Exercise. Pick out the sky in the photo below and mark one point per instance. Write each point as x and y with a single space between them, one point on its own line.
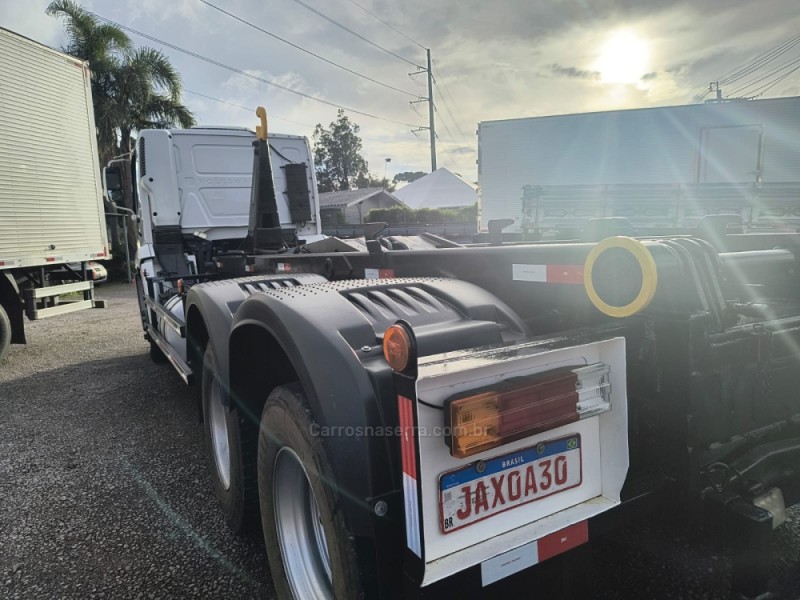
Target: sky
491 60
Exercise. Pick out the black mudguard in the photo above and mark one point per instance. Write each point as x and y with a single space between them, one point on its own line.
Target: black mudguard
11 301
210 308
331 333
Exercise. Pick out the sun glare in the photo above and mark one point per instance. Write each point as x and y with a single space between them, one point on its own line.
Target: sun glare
624 58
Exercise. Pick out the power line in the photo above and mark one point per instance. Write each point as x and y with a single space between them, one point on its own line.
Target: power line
751 67
447 106
774 71
245 73
761 60
389 25
776 82
309 52
356 34
699 96
772 82
446 128
247 108
250 109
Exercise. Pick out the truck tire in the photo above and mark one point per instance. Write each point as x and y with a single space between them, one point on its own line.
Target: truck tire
5 333
232 445
310 552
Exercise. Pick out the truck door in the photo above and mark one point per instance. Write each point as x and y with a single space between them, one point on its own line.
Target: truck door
730 154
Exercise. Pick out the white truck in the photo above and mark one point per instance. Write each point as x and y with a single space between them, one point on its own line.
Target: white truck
192 202
410 417
659 168
51 201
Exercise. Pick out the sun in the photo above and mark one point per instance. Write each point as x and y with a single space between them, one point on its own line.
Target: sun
624 58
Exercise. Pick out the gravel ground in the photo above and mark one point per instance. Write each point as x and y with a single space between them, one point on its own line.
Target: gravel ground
105 491
103 478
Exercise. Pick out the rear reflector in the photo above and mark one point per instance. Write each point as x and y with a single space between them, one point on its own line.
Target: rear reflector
518 408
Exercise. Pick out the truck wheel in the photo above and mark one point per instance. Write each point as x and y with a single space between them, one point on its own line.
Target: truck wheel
232 445
310 552
5 333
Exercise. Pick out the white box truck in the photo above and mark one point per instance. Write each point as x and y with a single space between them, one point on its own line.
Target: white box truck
51 200
665 167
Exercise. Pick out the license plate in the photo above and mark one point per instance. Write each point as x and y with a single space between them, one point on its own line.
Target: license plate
488 487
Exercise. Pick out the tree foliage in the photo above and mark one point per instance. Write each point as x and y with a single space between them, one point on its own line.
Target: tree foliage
409 176
337 155
371 181
400 215
132 88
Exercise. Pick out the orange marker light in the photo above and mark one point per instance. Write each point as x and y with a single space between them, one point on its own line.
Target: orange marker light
397 347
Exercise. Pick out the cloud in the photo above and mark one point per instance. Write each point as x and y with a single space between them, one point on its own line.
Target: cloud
492 60
573 72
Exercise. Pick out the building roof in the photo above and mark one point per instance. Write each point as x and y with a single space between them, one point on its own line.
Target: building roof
348 197
440 189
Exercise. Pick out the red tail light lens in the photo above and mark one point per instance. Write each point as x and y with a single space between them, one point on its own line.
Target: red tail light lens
517 409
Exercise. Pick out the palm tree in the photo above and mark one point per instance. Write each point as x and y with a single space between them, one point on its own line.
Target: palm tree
101 45
132 89
149 91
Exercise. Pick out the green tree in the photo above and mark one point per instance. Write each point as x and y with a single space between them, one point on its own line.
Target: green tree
409 176
131 88
369 180
149 93
337 155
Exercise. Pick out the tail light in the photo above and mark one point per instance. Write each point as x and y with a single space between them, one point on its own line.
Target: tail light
518 408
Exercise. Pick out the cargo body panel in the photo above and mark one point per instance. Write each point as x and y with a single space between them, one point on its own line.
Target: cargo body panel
51 205
659 167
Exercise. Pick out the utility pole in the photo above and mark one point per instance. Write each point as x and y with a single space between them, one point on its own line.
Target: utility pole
714 87
431 126
431 109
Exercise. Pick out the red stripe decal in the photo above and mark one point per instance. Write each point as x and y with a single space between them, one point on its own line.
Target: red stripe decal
565 274
408 447
563 540
412 450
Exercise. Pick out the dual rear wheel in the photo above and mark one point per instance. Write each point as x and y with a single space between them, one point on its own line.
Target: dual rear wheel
270 466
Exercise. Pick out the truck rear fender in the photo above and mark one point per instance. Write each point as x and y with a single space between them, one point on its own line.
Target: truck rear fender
210 308
328 336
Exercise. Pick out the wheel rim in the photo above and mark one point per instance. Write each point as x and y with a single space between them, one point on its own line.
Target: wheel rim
304 548
219 434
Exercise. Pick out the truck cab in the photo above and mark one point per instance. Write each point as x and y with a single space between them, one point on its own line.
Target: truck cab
190 193
199 180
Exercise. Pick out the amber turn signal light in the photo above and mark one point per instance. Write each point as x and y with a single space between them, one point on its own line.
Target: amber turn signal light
397 347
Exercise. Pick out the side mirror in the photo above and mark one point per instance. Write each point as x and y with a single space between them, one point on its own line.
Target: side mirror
112 177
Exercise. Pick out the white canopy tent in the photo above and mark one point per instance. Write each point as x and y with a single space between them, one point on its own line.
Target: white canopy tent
440 189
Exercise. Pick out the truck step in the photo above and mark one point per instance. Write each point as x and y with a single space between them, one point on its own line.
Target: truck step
36 300
183 369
